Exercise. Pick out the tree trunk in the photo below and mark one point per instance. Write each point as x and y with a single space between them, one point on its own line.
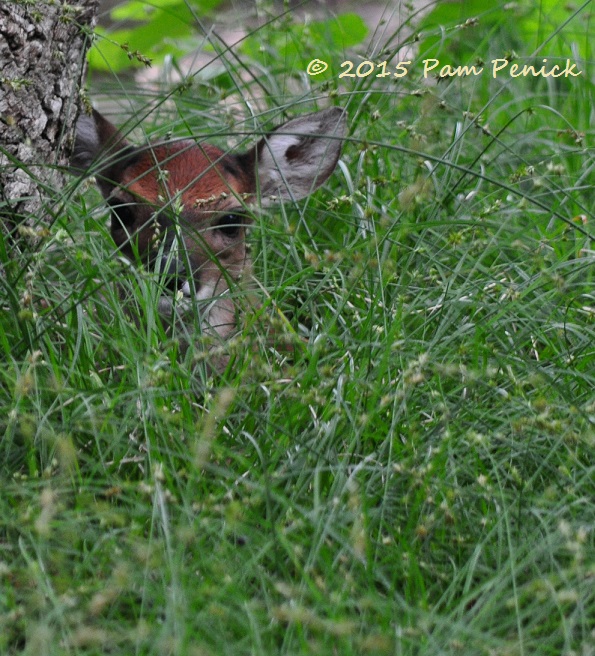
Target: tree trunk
42 64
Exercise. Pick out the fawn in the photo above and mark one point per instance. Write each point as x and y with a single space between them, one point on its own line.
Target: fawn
180 205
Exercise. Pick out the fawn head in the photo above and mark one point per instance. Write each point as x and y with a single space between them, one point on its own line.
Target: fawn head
184 200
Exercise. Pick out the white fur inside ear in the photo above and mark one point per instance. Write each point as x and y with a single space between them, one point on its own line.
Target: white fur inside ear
296 158
273 155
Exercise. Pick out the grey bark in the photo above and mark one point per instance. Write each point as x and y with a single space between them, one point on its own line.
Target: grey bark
42 63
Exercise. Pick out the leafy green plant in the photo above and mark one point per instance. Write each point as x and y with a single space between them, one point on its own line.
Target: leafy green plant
160 28
291 49
532 28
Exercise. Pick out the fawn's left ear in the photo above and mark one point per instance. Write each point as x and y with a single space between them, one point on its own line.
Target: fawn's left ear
298 156
99 149
95 137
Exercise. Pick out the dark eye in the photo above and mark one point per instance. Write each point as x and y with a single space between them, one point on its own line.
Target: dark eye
229 225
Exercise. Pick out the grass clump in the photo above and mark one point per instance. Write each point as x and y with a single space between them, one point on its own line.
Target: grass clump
418 477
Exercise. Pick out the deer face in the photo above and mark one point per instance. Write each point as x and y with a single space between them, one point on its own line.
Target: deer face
185 202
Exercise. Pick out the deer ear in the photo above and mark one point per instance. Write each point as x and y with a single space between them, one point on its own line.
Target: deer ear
298 156
94 134
98 145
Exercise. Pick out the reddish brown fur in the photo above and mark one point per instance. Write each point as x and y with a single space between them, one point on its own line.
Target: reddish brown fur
187 169
185 202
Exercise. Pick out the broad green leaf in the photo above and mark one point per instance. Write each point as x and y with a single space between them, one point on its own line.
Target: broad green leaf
165 27
297 45
141 10
520 26
117 51
137 10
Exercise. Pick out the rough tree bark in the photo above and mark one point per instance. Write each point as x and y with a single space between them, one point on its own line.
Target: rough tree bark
42 63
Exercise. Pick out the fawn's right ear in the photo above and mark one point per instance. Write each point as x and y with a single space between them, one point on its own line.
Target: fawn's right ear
98 147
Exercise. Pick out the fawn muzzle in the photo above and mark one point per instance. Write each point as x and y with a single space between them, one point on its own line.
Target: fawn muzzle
180 206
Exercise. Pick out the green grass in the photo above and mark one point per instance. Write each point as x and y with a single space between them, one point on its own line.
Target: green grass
419 479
